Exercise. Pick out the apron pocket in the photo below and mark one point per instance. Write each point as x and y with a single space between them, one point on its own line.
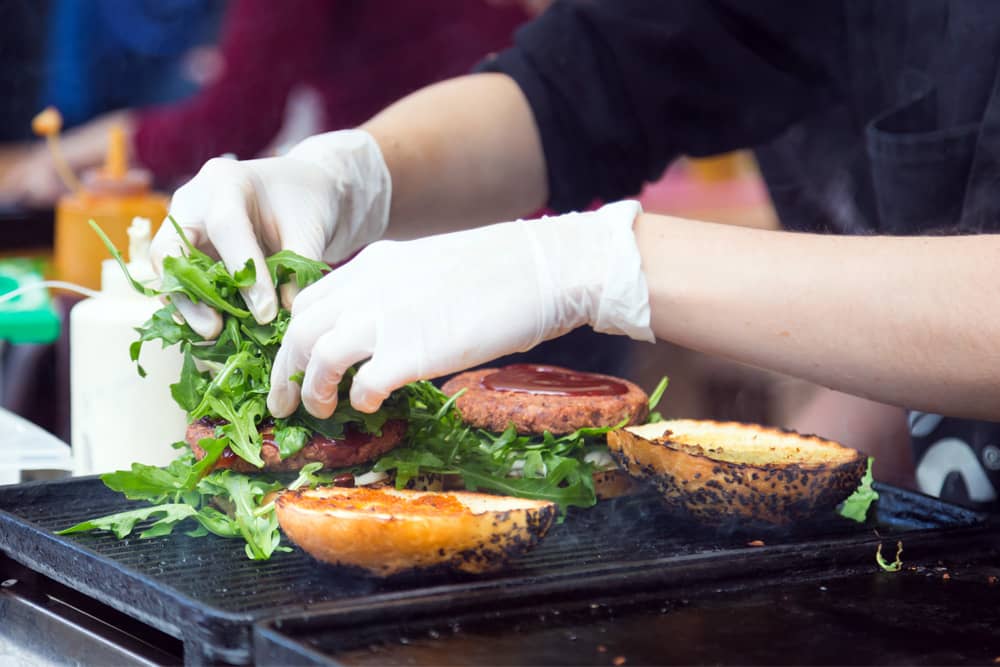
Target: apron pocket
919 171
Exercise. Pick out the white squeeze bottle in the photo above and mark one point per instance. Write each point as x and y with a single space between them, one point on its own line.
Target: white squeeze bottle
118 417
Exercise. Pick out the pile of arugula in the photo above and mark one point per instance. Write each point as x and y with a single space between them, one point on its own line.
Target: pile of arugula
227 381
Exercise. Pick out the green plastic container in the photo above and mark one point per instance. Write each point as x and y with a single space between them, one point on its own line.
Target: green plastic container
29 317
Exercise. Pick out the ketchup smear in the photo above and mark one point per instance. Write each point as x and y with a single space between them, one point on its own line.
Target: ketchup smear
551 381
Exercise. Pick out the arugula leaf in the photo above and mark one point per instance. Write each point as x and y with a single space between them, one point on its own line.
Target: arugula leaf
654 398
896 565
855 507
308 477
285 263
409 462
260 531
146 482
136 285
187 391
181 275
289 439
161 326
122 523
214 521
241 429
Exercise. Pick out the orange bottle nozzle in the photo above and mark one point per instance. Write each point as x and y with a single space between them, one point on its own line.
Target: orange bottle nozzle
47 124
116 161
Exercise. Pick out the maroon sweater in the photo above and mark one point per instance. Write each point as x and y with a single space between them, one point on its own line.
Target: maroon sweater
360 55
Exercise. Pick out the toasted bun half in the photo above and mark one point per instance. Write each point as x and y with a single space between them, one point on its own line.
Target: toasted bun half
717 471
387 531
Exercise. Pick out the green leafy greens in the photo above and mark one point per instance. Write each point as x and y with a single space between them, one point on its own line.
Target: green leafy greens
896 565
542 467
856 505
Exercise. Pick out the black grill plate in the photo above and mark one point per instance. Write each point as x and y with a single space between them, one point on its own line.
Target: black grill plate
207 593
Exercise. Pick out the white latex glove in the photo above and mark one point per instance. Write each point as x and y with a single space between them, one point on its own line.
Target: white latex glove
324 199
421 309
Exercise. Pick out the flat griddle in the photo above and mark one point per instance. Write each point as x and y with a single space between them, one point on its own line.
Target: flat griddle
943 614
205 592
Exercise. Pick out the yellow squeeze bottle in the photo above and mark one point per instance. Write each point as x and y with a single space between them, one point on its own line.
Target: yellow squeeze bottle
112 195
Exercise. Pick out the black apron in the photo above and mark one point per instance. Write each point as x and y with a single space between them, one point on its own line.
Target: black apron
914 148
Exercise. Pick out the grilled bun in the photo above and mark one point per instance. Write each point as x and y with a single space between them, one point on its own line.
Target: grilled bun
717 471
387 531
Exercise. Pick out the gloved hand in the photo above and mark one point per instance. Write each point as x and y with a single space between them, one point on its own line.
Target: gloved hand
324 199
424 308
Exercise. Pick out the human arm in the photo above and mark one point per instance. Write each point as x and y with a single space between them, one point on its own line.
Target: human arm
906 321
462 153
624 88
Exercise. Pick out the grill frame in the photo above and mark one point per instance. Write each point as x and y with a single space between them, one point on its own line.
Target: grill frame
165 582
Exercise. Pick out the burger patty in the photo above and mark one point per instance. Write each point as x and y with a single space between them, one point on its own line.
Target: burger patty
534 413
353 449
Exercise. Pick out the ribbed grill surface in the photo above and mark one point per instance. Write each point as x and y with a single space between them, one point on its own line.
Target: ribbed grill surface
218 578
216 571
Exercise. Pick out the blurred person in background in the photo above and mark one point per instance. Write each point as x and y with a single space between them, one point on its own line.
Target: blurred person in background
872 120
87 58
345 60
103 55
23 26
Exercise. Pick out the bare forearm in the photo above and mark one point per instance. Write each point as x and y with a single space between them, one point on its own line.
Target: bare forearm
908 321
461 153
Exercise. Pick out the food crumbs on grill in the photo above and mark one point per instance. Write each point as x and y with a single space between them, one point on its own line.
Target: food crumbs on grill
601 648
755 543
618 661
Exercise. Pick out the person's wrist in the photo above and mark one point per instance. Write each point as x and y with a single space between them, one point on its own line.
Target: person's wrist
596 263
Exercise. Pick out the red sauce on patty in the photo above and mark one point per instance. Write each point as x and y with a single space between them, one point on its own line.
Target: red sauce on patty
551 381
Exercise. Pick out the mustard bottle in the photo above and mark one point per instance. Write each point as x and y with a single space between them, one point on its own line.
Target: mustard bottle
112 195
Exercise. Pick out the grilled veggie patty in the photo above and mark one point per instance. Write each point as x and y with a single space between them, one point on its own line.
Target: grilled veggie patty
534 414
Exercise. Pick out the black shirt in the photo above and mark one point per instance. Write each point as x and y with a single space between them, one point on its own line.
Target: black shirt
866 116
